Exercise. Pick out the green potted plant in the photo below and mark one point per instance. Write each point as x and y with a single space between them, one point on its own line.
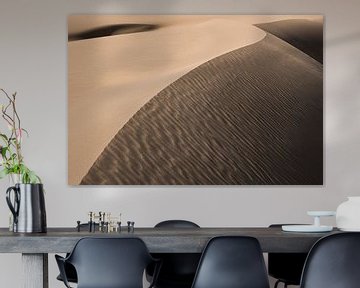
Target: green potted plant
25 197
11 158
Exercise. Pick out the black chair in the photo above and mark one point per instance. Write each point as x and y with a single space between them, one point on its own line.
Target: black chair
176 224
232 262
69 269
108 263
286 267
178 269
333 262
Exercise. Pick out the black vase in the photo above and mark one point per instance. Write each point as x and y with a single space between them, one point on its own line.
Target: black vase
28 208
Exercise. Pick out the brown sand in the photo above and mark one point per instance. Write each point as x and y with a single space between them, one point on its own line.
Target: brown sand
111 78
251 116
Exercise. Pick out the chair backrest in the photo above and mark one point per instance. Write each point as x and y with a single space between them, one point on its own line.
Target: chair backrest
176 224
333 262
110 262
232 262
178 270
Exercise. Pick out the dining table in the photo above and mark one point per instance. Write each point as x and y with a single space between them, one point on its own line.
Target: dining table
35 247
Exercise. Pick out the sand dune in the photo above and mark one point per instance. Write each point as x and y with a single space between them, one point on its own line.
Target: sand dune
305 35
111 78
250 116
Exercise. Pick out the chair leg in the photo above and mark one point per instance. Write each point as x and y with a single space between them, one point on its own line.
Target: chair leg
278 282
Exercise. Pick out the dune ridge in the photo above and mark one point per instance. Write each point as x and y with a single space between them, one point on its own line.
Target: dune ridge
251 116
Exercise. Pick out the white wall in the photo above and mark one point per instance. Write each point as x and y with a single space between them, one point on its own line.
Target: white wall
33 62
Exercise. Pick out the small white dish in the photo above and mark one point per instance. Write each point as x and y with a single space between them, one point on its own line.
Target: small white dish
321 213
306 228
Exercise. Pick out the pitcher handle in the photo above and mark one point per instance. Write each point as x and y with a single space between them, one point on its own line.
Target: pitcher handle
13 208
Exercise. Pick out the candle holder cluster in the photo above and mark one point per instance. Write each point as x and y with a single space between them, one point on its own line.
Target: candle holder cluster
104 222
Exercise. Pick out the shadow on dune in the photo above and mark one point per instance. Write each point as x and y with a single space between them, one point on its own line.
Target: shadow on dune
253 116
112 30
305 35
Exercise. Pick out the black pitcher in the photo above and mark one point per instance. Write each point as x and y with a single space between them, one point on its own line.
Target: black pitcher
28 207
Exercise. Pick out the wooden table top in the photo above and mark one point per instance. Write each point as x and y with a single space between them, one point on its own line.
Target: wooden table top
158 240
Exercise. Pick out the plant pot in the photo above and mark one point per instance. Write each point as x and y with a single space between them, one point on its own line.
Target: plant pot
27 207
15 179
348 215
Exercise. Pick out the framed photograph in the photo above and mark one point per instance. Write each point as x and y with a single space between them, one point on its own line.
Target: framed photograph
195 100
